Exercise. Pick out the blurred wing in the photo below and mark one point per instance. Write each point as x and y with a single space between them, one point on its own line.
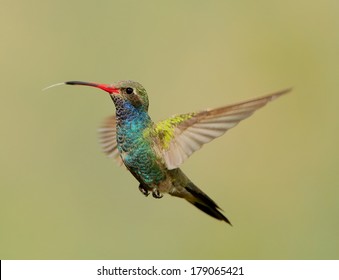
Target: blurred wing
107 138
181 135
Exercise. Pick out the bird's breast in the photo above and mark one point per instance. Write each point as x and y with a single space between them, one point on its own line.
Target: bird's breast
138 155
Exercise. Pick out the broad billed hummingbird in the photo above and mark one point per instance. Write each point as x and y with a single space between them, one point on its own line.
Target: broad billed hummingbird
153 152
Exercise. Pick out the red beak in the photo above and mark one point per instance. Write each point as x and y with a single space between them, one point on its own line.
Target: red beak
110 89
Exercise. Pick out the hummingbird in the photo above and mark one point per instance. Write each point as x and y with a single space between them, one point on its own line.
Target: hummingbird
153 152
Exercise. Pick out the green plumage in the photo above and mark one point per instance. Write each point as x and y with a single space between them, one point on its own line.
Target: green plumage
164 130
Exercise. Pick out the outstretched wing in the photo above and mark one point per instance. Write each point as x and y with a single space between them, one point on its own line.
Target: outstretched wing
181 135
107 138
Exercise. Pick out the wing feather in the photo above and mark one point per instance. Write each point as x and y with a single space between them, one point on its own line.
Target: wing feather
107 139
180 136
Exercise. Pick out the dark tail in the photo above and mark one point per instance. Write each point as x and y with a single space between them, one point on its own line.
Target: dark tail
200 200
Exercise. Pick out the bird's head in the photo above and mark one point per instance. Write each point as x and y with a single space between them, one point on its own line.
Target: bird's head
122 91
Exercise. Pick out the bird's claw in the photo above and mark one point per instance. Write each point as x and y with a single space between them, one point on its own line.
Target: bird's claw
156 193
143 190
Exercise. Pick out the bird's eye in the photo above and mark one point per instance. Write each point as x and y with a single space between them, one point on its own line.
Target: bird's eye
129 90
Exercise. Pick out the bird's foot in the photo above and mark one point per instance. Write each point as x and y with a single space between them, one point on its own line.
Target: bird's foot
156 193
144 190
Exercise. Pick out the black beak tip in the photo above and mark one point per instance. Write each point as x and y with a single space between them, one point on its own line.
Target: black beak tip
74 83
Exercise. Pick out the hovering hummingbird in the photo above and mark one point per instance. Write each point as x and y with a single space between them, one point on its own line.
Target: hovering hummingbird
153 152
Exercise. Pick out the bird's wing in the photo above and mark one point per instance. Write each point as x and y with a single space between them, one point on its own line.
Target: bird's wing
107 138
181 135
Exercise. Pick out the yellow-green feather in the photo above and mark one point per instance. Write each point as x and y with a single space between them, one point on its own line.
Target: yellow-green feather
164 130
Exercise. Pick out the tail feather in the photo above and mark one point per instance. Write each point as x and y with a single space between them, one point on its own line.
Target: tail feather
200 200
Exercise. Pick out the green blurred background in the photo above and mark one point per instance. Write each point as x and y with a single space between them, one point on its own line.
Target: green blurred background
275 175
